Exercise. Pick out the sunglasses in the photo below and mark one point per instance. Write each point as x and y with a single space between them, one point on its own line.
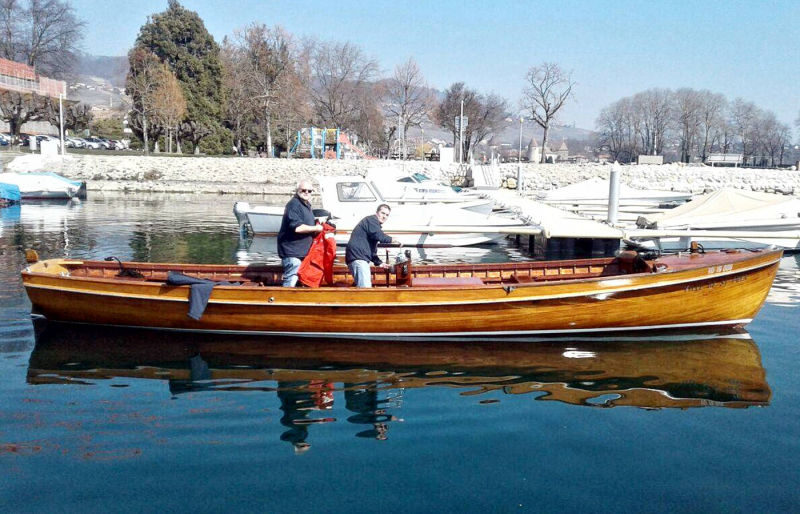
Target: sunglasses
305 190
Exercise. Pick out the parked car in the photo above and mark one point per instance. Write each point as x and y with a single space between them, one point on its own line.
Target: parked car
94 143
4 140
74 142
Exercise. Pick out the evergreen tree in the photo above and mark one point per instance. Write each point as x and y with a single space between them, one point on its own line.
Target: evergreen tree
179 38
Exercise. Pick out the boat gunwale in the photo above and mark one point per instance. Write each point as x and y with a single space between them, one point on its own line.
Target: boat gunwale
655 281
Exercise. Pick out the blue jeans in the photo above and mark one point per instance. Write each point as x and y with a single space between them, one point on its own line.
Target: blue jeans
290 267
361 272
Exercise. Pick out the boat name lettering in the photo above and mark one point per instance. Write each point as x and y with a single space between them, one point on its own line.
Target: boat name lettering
712 285
720 268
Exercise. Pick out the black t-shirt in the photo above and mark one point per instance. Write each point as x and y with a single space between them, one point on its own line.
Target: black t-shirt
363 244
290 243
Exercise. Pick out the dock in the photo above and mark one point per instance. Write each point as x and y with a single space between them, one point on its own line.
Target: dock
563 234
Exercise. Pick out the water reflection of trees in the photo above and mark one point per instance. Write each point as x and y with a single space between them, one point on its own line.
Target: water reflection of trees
171 245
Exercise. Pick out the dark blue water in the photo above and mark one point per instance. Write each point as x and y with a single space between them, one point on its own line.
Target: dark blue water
99 420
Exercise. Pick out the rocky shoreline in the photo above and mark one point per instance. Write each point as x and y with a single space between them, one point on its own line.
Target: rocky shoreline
243 175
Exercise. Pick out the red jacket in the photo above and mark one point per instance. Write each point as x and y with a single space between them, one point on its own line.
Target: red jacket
319 261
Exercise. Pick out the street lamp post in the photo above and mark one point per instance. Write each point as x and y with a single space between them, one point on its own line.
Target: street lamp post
519 157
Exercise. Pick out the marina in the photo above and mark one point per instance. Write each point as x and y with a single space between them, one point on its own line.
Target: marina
537 280
150 403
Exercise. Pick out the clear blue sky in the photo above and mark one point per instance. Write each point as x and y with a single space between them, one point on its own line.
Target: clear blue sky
614 48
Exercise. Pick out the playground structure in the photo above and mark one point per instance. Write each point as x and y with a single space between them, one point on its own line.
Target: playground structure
322 143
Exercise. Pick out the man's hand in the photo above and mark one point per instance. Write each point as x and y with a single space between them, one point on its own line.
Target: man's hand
384 265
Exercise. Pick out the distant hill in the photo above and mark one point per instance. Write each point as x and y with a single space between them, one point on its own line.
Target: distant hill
112 69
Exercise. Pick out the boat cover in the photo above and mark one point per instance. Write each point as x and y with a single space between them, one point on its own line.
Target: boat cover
9 192
728 206
596 188
38 182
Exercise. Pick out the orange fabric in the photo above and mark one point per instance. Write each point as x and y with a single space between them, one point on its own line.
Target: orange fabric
318 264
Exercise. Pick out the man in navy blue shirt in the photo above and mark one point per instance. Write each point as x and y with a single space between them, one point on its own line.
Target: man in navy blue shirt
362 249
297 231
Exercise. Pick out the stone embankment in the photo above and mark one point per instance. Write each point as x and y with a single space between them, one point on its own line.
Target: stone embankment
243 175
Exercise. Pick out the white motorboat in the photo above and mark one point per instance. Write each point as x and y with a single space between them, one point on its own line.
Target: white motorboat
261 219
265 220
736 215
399 188
350 198
44 186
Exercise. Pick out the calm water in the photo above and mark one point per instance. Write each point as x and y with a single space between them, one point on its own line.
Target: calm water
111 420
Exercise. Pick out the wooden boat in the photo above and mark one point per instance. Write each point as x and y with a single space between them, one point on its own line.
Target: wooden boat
627 292
713 368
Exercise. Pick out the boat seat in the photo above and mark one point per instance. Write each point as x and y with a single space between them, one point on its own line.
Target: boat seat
447 281
519 279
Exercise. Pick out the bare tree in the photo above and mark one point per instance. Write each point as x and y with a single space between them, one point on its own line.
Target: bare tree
485 114
41 33
267 59
339 73
546 92
19 108
450 108
371 124
772 138
238 110
407 98
169 103
688 119
617 125
654 108
744 116
77 116
141 85
712 118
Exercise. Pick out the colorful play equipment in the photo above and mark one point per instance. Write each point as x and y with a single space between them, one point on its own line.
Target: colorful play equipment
324 143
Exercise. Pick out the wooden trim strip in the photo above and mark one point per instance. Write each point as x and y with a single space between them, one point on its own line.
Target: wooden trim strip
433 335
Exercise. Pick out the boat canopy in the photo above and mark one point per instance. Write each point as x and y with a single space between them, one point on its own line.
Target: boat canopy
729 205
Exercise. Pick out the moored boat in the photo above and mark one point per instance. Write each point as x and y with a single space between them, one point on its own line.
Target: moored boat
628 292
44 186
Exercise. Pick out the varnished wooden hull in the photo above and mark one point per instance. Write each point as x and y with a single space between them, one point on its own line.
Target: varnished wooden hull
691 290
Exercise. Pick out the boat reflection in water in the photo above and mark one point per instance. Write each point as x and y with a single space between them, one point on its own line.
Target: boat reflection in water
671 370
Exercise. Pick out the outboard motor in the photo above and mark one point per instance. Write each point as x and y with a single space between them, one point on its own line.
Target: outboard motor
402 268
240 210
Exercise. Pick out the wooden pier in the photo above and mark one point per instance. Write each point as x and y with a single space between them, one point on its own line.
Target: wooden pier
563 234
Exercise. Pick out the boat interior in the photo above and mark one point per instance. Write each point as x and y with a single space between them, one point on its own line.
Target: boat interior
402 274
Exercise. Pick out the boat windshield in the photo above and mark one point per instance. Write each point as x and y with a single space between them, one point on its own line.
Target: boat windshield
354 192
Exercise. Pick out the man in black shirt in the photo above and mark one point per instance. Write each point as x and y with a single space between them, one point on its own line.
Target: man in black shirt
297 231
362 249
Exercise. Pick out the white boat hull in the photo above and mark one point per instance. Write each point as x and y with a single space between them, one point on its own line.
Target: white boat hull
44 186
